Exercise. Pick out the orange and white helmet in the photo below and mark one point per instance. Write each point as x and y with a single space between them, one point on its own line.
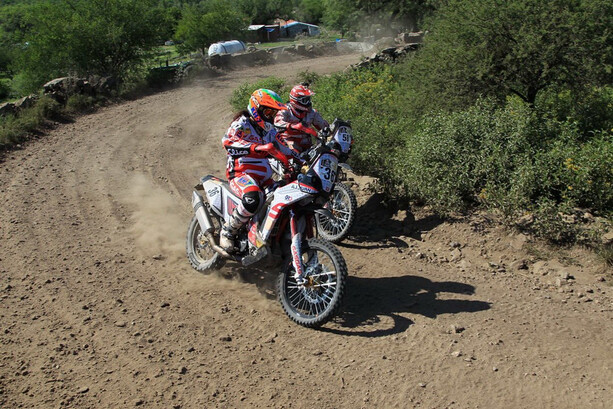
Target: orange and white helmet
300 100
264 105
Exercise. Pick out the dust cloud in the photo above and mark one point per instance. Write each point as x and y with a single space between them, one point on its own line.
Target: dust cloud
158 222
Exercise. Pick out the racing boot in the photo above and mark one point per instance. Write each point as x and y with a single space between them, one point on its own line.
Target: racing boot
230 228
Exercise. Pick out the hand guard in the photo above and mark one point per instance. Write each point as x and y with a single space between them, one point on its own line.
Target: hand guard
271 150
299 126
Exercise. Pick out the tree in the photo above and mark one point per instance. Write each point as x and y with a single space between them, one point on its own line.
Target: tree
498 47
12 30
266 11
341 15
207 23
104 37
347 15
311 11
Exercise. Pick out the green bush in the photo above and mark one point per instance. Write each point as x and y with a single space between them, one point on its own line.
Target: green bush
515 157
509 158
80 103
13 129
369 99
5 89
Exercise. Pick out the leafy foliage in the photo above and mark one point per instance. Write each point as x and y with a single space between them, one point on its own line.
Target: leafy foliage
521 47
14 128
208 22
350 15
472 120
265 11
85 37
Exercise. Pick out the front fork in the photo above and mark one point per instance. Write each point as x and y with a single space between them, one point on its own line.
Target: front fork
296 249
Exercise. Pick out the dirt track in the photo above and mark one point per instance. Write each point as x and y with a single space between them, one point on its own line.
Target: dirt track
99 307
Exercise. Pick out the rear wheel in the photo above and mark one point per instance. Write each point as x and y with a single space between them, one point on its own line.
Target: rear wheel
199 252
343 205
319 299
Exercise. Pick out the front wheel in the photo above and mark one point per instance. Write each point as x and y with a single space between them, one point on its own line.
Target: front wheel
319 299
199 252
343 205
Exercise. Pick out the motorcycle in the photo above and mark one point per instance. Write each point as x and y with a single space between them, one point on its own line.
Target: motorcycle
312 280
333 226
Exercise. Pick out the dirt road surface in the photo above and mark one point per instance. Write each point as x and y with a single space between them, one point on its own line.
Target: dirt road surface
99 307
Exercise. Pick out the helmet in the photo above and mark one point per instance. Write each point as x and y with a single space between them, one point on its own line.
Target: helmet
300 100
263 106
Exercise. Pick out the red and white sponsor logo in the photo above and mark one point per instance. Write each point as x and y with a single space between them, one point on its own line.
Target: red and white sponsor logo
276 210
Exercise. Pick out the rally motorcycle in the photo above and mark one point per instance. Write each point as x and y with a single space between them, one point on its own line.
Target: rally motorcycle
311 283
333 226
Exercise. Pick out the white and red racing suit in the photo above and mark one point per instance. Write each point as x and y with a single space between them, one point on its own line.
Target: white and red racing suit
248 146
291 128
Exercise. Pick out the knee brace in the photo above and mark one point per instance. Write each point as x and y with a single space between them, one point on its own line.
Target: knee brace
251 201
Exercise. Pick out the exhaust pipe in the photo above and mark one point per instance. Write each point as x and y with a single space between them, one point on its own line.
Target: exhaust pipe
203 216
206 224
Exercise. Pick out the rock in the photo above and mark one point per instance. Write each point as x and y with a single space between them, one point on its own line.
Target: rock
58 84
120 324
7 109
456 329
227 338
519 265
456 255
456 354
183 370
519 241
465 265
26 102
410 38
84 389
607 238
271 338
389 51
541 268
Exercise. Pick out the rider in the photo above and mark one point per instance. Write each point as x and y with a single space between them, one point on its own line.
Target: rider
249 140
294 122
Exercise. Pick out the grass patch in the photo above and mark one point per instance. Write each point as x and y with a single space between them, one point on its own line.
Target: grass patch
14 129
605 252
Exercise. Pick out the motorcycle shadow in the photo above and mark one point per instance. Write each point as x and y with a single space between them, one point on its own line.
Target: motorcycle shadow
370 300
378 224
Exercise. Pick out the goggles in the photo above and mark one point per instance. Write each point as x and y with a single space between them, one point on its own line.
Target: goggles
306 100
269 112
